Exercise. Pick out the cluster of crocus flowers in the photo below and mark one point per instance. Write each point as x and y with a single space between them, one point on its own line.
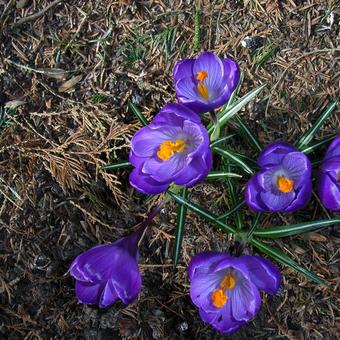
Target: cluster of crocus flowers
108 272
284 182
173 148
329 177
226 289
205 83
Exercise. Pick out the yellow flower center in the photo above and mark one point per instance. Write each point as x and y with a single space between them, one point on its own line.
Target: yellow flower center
201 88
168 148
284 184
218 296
338 176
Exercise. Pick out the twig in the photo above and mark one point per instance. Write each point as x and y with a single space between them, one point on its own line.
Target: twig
36 15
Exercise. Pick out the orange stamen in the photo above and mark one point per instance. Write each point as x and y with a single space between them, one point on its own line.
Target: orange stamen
228 282
203 91
284 184
338 176
168 148
219 298
201 75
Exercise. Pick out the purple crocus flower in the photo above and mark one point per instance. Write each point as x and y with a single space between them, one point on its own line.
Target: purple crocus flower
173 148
205 83
329 179
108 272
283 183
226 289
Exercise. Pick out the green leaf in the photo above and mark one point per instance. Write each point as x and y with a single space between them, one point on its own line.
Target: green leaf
181 217
294 229
227 112
248 135
234 158
137 113
232 194
232 210
281 257
220 140
202 212
314 146
222 174
308 136
254 225
120 165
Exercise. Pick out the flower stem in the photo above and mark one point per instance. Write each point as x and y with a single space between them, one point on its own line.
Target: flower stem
216 132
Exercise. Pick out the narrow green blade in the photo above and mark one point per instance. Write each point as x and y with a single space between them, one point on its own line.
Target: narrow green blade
308 136
232 210
222 174
227 112
181 217
137 113
220 140
245 131
294 229
281 257
120 165
202 212
234 158
314 146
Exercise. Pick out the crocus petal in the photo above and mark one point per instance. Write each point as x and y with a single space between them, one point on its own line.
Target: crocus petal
329 192
203 261
87 293
298 166
183 69
231 73
303 195
213 65
333 149
264 274
225 322
274 153
109 295
277 202
245 301
252 195
145 184
187 91
175 114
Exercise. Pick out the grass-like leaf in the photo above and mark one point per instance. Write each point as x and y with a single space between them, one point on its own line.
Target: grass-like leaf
281 257
181 217
220 140
228 112
222 174
308 136
202 212
294 229
232 210
120 165
137 113
317 144
234 158
245 131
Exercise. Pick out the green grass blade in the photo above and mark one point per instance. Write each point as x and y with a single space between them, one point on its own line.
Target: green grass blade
222 174
308 136
234 158
222 139
294 229
245 131
202 212
137 113
232 210
181 217
254 225
227 112
281 257
314 146
120 165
